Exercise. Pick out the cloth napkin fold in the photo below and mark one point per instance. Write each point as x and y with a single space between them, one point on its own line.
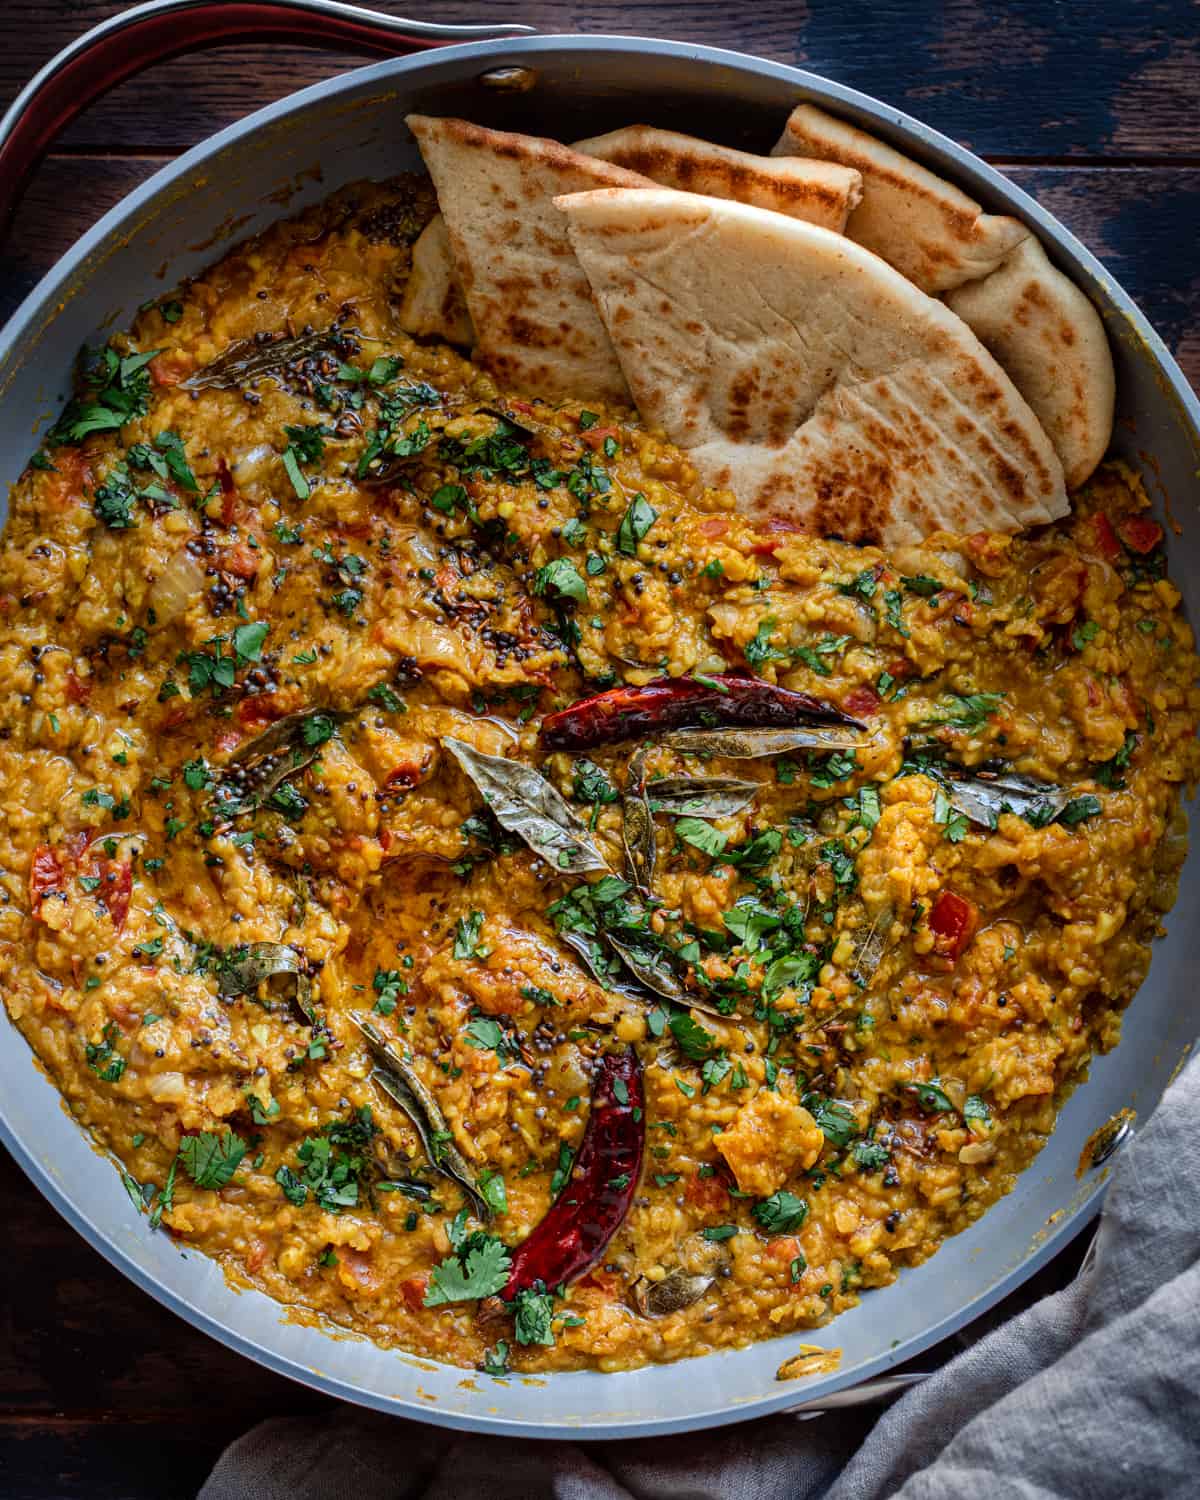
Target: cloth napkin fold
1093 1392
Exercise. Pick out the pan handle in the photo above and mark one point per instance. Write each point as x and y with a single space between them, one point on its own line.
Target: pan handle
125 44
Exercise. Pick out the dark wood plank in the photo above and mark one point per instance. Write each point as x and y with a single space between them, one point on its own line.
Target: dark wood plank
101 1458
80 1338
1115 211
1029 79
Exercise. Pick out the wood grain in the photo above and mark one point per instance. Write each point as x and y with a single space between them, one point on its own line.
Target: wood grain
1116 211
1027 79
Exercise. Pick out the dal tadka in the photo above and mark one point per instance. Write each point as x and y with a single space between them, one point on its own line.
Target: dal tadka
692 1025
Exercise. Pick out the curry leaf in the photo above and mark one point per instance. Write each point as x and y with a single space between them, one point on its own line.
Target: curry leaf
526 804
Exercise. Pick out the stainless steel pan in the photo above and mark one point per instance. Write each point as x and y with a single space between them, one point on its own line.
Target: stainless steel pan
306 146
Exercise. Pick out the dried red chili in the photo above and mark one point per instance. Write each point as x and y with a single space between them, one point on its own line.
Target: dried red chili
116 889
593 1204
45 875
625 713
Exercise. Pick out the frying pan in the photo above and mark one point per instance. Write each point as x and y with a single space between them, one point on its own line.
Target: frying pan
301 149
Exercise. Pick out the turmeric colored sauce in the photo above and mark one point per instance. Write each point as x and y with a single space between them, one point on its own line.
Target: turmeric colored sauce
878 969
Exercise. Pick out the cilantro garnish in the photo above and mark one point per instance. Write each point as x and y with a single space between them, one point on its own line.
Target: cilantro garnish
479 1268
102 1056
781 1212
635 523
210 1159
561 579
533 1311
694 1040
116 390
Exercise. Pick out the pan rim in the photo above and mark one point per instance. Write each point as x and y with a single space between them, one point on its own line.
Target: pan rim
897 126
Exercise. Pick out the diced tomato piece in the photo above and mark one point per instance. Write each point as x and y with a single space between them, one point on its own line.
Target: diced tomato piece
79 689
1105 538
713 526
1140 533
170 369
116 886
862 702
784 1247
45 875
227 741
68 481
707 1193
953 921
256 1256
259 708
240 560
594 437
522 406
413 1289
779 529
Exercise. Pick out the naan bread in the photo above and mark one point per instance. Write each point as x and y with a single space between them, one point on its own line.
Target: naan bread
804 374
1050 340
923 226
819 191
536 326
433 305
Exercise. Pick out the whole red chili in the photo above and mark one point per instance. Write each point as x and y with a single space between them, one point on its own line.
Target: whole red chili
593 1204
626 713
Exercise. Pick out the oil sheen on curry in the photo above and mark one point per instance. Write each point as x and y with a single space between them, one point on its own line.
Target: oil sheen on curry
495 898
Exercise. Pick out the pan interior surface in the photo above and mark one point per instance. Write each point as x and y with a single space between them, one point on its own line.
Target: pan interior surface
298 152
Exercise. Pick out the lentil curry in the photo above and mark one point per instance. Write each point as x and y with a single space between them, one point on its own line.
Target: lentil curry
492 896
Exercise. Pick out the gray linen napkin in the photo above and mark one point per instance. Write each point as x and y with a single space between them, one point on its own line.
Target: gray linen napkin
1094 1391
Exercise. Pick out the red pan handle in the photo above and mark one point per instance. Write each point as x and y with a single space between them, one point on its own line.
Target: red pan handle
125 44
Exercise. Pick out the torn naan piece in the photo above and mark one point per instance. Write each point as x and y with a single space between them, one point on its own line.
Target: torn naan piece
820 192
804 374
536 326
925 227
433 305
1052 343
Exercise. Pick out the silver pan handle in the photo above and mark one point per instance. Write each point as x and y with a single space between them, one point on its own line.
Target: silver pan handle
125 44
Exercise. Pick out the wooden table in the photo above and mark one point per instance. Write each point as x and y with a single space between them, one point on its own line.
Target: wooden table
1091 105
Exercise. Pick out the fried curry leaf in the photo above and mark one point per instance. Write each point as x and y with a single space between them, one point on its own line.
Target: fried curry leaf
983 797
258 769
678 1289
701 796
637 827
870 946
247 360
526 804
242 970
402 1084
753 744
